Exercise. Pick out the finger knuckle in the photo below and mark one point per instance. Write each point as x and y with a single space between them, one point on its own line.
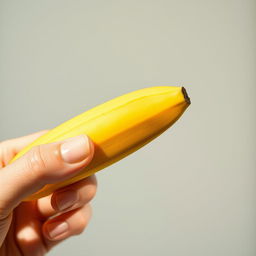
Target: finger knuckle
91 192
35 161
83 222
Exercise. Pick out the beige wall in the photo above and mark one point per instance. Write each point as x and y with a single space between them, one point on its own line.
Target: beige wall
191 191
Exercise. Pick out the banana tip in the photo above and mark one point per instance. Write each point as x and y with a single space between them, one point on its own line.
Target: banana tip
185 94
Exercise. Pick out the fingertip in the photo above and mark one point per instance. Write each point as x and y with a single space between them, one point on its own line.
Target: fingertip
57 230
76 149
91 148
67 224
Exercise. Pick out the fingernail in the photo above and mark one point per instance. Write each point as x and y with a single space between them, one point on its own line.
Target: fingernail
57 228
75 149
66 199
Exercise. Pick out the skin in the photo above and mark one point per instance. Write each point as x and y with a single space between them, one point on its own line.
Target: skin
24 226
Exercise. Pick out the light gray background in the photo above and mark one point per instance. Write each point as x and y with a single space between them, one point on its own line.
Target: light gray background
192 190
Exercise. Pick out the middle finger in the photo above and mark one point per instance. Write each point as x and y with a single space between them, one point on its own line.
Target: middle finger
68 198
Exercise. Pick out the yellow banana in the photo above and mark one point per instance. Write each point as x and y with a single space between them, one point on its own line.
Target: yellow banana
117 127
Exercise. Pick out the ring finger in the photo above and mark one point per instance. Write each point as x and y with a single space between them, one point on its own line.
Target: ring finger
65 225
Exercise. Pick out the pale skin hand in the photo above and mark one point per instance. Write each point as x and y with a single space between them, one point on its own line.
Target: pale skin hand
29 228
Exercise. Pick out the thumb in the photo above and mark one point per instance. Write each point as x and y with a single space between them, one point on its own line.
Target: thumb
43 164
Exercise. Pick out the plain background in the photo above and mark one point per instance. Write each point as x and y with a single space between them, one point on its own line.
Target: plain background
192 190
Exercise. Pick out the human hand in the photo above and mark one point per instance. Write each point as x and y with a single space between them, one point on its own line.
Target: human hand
34 227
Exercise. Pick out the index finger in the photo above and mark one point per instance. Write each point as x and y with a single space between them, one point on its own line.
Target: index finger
17 144
9 148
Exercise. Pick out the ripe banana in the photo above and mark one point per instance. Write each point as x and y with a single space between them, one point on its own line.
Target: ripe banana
117 127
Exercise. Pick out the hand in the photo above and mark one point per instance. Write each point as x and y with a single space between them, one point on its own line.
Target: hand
34 227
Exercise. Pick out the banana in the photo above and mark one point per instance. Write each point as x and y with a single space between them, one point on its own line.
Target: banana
117 127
